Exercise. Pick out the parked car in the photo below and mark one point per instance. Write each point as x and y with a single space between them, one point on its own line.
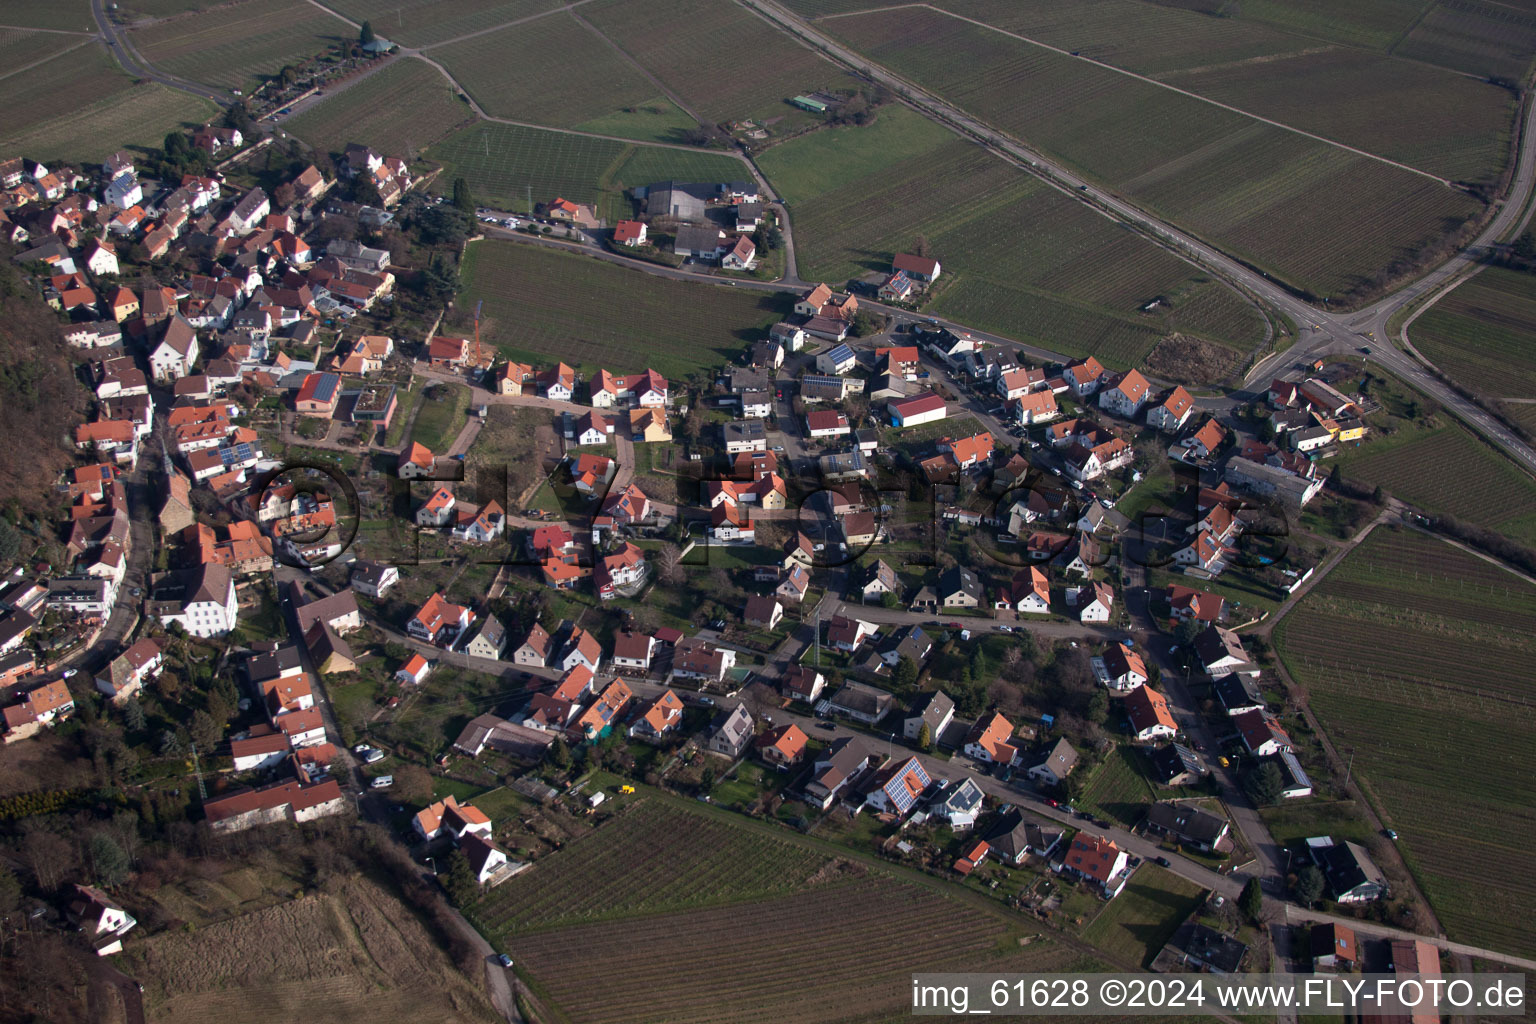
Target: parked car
382 782
1004 629
1163 862
1391 834
504 960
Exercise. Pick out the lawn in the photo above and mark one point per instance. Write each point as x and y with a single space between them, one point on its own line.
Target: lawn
542 305
400 109
721 59
239 45
1325 219
508 166
443 408
1483 334
641 919
557 71
1136 924
79 106
428 22
1416 658
1019 258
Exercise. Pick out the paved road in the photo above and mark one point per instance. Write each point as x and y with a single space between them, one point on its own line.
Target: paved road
123 50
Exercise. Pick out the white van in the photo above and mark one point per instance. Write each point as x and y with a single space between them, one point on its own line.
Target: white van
382 782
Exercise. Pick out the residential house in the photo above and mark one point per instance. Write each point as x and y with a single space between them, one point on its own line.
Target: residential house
439 621
763 612
731 731
959 587
1094 601
1203 442
1261 732
826 423
921 269
1028 593
535 648
658 719
933 709
1334 945
801 682
1149 715
897 787
699 659
1237 694
176 352
581 649
744 436
1188 824
1085 376
200 600
414 462
1058 764
878 580
619 572
959 806
1185 603
1175 765
834 769
490 641
414 671
373 579
836 361
911 412
991 740
103 922
632 652
629 233
861 703
782 747
449 817
437 510
1012 838
1351 875
1098 861
1220 652
597 720
1124 394
1123 668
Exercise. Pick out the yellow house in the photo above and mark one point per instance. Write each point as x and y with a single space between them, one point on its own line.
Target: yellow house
649 425
1350 430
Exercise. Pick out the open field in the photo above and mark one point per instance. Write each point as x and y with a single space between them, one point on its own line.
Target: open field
20 48
400 109
1483 334
1136 924
1021 259
542 305
80 106
1438 121
355 954
723 61
442 416
556 71
62 15
634 866
236 46
1118 789
1323 218
1480 38
739 903
1447 470
1416 657
429 22
506 165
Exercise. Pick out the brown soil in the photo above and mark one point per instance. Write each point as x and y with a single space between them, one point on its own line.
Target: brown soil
1189 360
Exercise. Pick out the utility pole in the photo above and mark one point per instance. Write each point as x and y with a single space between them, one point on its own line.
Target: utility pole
1350 769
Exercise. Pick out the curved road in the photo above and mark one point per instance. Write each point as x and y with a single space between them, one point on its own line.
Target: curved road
134 64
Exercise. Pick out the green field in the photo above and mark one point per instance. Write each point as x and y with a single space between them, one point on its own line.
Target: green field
80 106
542 305
1483 334
1325 219
1118 789
1437 121
442 416
667 913
1480 38
400 109
1136 924
20 49
507 165
1416 656
430 22
1447 470
556 71
238 45
60 15
1021 259
723 61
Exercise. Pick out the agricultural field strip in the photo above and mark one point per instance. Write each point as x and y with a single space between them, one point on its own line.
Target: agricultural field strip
1451 764
1483 333
1192 95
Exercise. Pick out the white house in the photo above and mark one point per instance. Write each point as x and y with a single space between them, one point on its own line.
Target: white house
1094 602
1085 376
104 922
176 353
1058 764
123 191
837 360
102 261
200 600
1125 395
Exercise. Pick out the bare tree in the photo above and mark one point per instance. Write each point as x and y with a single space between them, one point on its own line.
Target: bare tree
49 855
669 564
